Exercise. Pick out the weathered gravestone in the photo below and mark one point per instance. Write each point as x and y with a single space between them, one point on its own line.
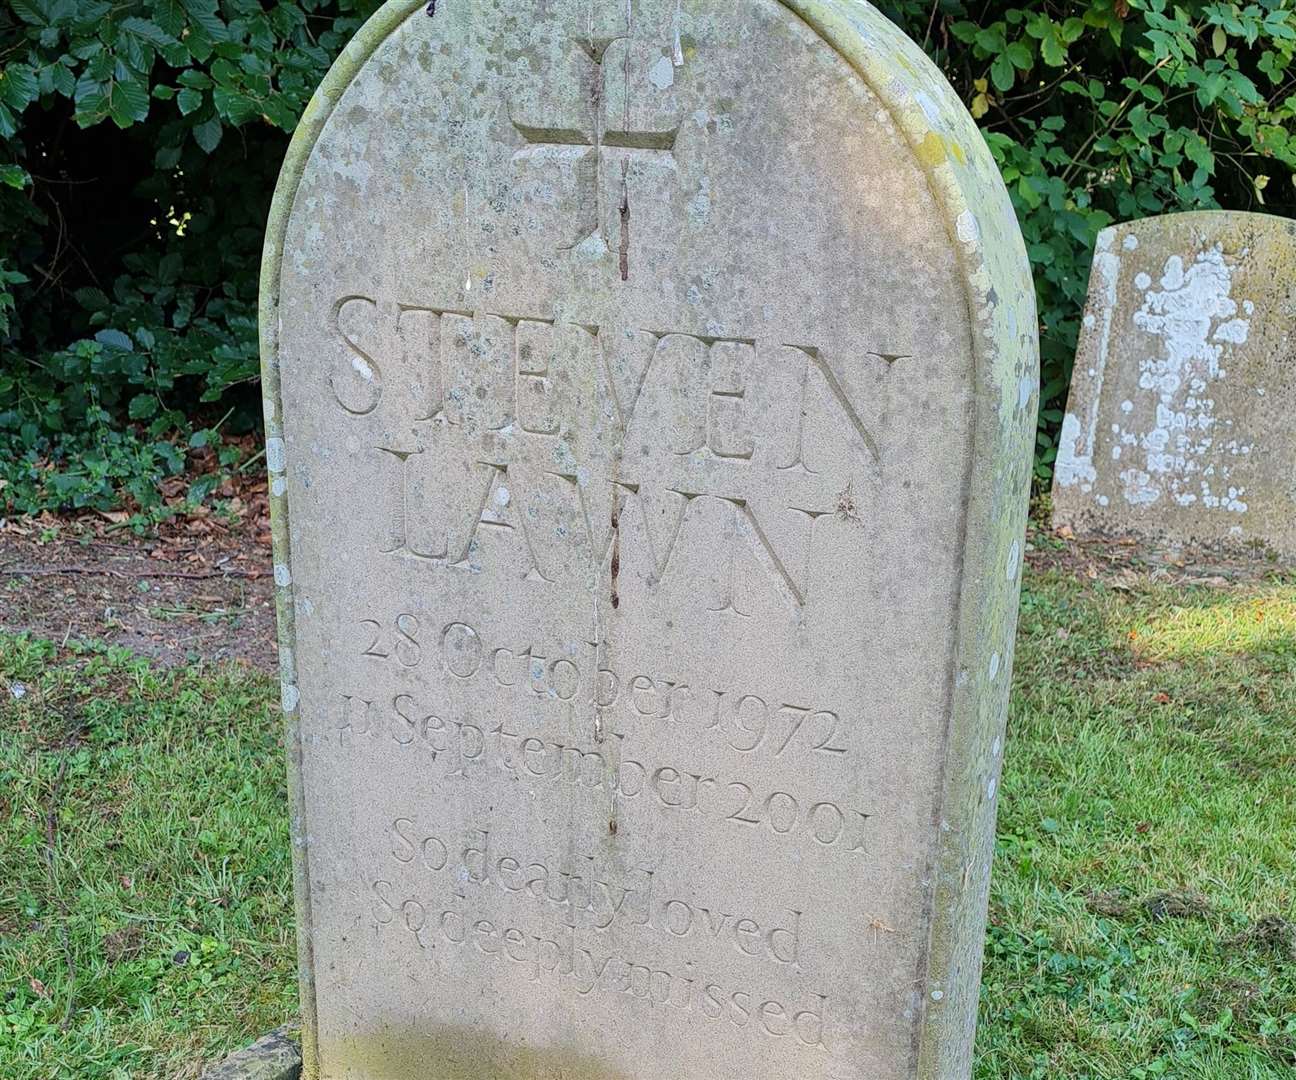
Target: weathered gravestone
1179 425
651 399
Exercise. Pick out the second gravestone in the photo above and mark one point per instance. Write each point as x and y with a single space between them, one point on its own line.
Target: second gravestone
1179 423
650 393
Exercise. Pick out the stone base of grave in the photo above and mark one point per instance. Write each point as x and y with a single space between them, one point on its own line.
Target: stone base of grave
277 1056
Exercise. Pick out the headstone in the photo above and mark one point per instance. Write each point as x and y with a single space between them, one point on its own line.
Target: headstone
1178 429
651 398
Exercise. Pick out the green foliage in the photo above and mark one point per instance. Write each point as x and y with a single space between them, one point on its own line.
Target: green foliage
1111 110
139 142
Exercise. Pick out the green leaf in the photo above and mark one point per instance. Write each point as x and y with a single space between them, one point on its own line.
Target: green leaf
63 80
128 102
29 12
235 107
208 134
167 157
143 407
92 299
1052 50
115 339
170 16
188 100
1002 73
18 86
14 176
1020 55
147 31
203 13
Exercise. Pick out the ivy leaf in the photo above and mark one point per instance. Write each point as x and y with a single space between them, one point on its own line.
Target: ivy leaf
208 134
188 100
128 102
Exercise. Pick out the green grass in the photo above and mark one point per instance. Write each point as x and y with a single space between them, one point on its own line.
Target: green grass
1144 891
160 931
1146 862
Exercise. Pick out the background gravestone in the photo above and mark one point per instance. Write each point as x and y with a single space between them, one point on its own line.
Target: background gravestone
1179 424
650 401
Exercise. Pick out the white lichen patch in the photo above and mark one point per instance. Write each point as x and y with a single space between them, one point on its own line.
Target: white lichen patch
662 73
276 457
1194 319
1072 466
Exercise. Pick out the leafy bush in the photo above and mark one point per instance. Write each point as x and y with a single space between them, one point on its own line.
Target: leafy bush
140 145
139 142
1113 110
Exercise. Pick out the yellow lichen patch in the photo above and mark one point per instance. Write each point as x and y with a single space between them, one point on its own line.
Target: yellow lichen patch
931 151
955 150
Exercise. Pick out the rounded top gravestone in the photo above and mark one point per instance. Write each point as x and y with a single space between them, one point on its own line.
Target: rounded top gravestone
650 403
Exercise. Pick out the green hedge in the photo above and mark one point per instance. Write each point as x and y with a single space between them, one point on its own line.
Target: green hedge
139 142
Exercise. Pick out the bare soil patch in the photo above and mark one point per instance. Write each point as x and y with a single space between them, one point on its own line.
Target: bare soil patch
1126 563
177 597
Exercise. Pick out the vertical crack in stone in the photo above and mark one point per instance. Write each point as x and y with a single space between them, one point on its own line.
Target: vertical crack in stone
625 165
625 224
616 553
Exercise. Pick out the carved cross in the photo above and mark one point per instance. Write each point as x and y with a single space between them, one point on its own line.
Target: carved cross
615 109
